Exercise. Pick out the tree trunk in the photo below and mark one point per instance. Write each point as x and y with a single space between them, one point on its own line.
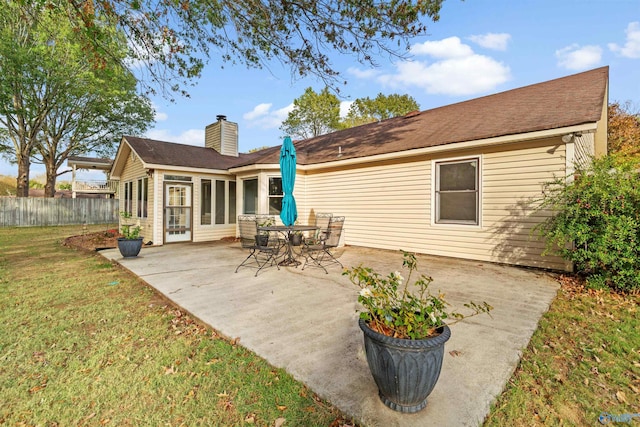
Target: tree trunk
22 181
50 186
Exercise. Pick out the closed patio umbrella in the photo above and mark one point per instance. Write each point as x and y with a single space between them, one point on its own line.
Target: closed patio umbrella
289 212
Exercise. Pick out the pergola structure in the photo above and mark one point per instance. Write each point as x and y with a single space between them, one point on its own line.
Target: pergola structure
107 187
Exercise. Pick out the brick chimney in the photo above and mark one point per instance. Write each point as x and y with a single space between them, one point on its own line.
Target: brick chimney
222 136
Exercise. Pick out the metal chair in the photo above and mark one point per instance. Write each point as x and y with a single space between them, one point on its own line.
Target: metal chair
322 222
318 254
260 255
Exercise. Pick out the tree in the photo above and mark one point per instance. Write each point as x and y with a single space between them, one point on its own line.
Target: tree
313 114
623 129
24 65
173 39
78 108
91 117
367 110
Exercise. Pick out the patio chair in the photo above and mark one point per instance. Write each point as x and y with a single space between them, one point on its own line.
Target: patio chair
261 255
318 254
322 222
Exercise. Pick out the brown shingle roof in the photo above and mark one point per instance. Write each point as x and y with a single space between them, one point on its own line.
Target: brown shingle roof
567 101
173 154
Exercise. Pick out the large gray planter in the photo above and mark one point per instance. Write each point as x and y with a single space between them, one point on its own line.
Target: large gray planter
405 371
129 248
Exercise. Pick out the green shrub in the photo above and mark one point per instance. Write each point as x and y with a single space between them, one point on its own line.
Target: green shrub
597 222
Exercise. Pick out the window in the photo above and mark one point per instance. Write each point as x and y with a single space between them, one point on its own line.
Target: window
143 197
456 192
275 195
221 197
205 202
128 197
250 191
232 202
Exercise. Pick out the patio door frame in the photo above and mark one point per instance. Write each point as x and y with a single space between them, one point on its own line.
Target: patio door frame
189 230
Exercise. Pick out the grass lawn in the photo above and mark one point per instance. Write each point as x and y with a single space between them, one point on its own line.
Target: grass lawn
582 363
83 342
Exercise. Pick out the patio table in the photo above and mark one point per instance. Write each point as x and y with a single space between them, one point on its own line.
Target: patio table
289 257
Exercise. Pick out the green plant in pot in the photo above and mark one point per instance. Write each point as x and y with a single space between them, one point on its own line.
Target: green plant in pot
296 237
405 328
130 243
262 238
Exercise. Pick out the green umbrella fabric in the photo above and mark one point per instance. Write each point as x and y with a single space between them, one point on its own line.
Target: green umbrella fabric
289 212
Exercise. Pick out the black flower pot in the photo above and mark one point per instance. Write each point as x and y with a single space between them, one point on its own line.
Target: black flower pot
129 247
405 371
296 239
262 239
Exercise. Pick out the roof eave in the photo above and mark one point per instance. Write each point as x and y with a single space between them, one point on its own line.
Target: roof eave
254 167
486 142
186 169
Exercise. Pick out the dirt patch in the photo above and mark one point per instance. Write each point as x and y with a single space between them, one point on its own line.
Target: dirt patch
105 239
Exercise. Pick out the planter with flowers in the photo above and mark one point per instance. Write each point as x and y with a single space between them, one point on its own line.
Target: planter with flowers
130 243
262 238
405 330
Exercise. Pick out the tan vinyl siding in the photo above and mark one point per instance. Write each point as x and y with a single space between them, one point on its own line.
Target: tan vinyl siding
222 136
132 171
389 205
584 149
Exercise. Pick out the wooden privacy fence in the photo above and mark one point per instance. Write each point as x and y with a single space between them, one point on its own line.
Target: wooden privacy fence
37 211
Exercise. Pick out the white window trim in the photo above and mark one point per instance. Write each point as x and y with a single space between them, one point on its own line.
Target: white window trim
269 196
200 224
458 226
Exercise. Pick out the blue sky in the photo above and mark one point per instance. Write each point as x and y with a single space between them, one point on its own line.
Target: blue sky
478 47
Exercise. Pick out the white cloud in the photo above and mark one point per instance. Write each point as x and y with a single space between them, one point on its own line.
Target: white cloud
362 74
576 57
450 47
458 70
261 116
344 108
190 136
496 41
258 111
631 48
160 117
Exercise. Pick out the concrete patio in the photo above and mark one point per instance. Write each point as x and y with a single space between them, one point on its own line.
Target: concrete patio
306 322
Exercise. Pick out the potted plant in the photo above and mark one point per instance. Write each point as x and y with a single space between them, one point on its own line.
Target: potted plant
262 238
130 243
405 330
295 236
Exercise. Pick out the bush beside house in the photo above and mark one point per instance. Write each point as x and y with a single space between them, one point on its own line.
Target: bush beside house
597 226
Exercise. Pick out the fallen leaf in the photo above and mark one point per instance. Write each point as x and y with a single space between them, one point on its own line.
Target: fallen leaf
455 353
279 422
281 407
621 397
37 388
250 419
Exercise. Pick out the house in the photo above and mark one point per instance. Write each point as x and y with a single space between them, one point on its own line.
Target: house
454 181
